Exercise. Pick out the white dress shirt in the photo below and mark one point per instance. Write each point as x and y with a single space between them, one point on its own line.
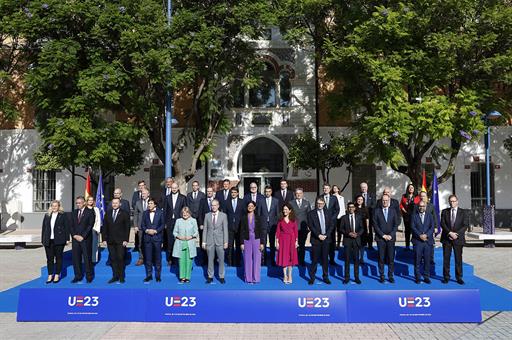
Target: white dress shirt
52 224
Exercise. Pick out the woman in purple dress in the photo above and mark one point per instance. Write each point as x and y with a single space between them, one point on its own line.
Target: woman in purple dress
286 237
252 241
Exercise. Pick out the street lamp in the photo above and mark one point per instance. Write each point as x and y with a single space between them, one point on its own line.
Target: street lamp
169 120
489 209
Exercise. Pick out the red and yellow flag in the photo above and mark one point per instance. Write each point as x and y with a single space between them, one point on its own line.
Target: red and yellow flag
424 181
88 190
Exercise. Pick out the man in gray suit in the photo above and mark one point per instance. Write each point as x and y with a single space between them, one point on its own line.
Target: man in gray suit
215 239
301 207
139 208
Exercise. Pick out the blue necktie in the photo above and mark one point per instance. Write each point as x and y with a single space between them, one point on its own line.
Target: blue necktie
386 214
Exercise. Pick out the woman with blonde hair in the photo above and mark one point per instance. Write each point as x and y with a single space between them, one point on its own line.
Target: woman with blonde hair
186 233
96 229
54 235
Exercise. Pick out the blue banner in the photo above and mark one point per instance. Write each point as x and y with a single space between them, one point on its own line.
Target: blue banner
461 305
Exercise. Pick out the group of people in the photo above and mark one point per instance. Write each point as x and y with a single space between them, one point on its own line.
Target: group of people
231 228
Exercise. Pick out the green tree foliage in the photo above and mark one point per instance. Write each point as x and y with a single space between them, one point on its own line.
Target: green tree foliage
508 145
418 75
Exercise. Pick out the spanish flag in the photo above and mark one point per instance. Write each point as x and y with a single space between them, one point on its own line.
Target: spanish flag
424 181
88 190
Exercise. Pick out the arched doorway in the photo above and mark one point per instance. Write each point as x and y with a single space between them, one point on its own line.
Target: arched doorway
263 161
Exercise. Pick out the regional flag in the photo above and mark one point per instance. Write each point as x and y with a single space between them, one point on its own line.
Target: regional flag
424 181
100 199
435 202
88 190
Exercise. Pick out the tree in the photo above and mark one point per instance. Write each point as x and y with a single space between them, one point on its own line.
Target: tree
308 152
115 60
417 73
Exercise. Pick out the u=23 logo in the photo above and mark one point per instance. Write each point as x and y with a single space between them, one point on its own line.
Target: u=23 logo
313 302
180 301
414 302
83 301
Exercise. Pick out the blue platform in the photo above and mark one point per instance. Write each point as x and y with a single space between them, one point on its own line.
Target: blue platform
492 297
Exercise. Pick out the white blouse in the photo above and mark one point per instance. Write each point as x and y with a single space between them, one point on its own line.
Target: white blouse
52 224
341 203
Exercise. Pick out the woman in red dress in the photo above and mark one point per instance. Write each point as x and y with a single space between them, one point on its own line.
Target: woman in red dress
286 237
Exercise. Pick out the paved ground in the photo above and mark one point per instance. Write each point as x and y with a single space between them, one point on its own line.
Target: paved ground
494 265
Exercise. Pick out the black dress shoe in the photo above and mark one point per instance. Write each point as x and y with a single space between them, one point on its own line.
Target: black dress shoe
345 281
460 281
391 279
221 280
327 281
381 279
417 280
209 280
89 280
122 280
311 281
112 280
158 279
76 279
427 280
148 278
358 281
445 281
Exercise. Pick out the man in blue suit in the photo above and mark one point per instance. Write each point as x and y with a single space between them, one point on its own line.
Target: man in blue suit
422 227
153 228
333 208
223 195
234 210
268 210
386 220
173 205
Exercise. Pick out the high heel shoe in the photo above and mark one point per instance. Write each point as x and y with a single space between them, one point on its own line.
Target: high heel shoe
50 279
56 279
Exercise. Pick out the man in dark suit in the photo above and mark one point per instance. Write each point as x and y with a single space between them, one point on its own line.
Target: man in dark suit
431 210
369 202
234 210
422 227
352 229
82 222
332 206
386 221
124 205
321 225
393 203
173 205
194 199
253 195
137 194
301 207
454 223
284 195
224 195
268 210
116 233
166 191
152 226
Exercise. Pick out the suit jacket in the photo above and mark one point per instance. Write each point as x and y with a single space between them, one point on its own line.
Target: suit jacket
118 231
430 209
333 207
301 213
158 224
219 196
460 226
235 216
172 213
204 208
371 201
345 229
259 229
136 197
282 200
215 235
163 197
418 228
382 227
248 198
60 230
316 229
138 211
84 226
194 204
393 204
125 205
268 218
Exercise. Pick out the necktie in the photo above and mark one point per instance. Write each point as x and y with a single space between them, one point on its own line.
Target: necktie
284 194
194 195
454 216
364 196
422 217
234 205
254 197
79 215
213 219
327 201
352 226
168 192
386 214
322 221
144 205
225 195
299 203
114 215
209 204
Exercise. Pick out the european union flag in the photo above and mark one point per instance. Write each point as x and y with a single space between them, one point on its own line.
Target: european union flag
435 202
100 199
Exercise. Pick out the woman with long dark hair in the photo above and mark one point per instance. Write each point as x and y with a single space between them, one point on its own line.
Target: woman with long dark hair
252 238
287 242
362 211
407 204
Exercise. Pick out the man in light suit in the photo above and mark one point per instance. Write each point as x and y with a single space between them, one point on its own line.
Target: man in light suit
234 209
253 195
173 205
422 227
140 206
215 239
224 195
352 229
205 206
152 226
386 221
332 206
454 223
321 225
370 203
268 210
137 196
301 207
284 195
